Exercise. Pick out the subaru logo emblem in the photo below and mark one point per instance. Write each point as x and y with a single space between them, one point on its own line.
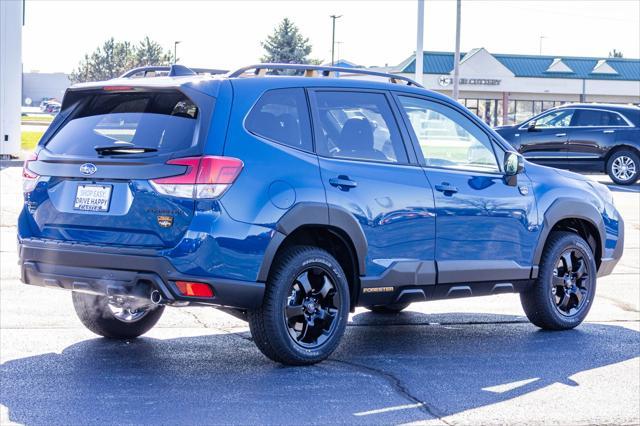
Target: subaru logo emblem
88 169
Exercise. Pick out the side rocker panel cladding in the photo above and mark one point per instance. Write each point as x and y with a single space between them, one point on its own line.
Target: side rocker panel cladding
315 214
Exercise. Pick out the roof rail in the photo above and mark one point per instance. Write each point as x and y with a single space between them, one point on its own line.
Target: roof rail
309 71
172 71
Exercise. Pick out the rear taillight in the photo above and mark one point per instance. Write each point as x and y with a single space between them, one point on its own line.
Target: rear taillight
29 178
204 177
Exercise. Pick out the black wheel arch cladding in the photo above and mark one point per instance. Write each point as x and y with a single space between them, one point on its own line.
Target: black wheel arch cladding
320 214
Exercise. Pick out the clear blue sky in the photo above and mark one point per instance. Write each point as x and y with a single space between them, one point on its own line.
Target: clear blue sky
226 34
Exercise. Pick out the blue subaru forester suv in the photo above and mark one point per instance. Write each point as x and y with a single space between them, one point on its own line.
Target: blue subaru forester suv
287 198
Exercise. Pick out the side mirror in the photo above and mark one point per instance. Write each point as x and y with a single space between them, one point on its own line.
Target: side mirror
531 127
513 163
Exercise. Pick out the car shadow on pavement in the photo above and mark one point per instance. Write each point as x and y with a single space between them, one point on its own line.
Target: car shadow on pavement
399 368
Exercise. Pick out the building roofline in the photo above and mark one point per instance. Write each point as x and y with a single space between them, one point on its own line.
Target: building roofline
531 56
529 66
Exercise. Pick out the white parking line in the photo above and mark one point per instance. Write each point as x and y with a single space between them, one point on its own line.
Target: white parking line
388 409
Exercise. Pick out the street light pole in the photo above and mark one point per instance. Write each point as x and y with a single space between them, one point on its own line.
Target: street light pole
540 44
456 60
333 38
419 77
175 49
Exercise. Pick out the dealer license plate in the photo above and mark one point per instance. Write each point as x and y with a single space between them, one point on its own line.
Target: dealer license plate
94 198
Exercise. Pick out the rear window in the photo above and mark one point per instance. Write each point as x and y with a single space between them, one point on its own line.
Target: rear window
164 121
592 117
281 115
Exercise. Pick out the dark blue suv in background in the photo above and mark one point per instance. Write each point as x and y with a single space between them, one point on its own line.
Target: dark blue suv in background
582 137
288 200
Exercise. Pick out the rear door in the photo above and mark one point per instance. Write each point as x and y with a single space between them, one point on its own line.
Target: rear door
592 134
545 142
367 170
95 167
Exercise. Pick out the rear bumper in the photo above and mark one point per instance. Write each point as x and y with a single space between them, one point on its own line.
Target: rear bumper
90 269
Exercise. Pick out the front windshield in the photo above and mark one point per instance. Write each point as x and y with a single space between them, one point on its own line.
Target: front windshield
559 118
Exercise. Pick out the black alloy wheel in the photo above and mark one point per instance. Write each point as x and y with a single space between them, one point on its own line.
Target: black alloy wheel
312 307
305 308
570 283
561 296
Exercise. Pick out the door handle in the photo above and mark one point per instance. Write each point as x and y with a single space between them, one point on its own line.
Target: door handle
608 131
446 188
559 135
343 183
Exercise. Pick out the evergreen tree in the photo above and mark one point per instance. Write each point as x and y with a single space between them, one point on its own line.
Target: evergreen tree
114 58
149 52
286 45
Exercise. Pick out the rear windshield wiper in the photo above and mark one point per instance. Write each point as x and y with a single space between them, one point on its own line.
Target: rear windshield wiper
122 150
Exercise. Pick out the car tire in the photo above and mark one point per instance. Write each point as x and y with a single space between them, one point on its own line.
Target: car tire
305 308
563 293
388 309
623 167
97 315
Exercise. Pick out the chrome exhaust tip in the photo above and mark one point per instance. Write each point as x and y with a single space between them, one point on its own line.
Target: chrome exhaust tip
156 297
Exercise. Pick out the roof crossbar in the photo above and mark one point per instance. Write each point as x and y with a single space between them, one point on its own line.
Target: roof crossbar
172 71
324 71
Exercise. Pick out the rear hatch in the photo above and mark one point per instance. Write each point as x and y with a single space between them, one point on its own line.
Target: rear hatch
92 178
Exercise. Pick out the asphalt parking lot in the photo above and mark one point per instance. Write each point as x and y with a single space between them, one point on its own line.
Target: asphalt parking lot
466 361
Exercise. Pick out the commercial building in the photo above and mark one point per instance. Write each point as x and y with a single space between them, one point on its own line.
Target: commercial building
505 89
37 86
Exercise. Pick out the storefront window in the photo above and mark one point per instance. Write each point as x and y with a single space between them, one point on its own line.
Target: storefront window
491 110
548 105
499 114
524 110
537 107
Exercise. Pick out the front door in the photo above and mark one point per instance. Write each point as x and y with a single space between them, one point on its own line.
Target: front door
545 140
366 170
485 225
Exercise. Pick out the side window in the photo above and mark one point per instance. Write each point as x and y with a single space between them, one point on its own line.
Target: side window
590 117
447 138
358 126
282 116
561 118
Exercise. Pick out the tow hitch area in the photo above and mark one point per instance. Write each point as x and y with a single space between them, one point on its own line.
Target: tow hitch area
124 289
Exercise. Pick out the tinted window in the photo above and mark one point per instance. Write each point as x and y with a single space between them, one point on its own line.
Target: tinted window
358 126
447 138
165 121
559 118
282 116
590 117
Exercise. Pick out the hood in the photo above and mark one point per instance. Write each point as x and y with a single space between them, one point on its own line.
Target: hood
539 171
551 177
571 175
